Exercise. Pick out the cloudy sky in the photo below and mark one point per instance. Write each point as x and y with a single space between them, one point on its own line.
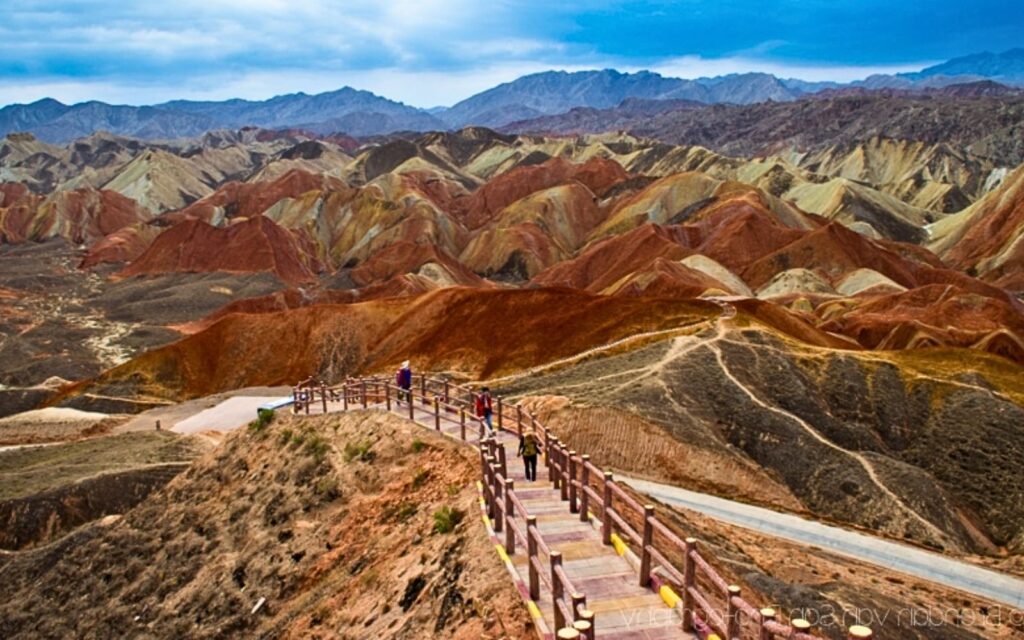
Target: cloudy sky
436 52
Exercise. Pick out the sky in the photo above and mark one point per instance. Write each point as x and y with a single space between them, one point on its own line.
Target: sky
435 52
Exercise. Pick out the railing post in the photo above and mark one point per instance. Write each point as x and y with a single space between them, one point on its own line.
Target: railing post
499 518
531 550
579 603
587 616
563 458
645 546
447 395
606 508
462 424
501 460
519 420
412 404
732 612
423 388
307 400
323 396
763 632
557 588
689 579
510 534
344 396
573 507
549 452
800 626
584 484
567 633
859 632
501 420
362 387
387 395
437 414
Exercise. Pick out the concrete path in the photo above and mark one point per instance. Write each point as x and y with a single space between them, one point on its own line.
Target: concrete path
226 416
993 585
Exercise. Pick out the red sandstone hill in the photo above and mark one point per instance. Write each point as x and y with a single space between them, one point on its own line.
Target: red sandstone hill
597 174
987 238
81 216
250 246
475 332
249 199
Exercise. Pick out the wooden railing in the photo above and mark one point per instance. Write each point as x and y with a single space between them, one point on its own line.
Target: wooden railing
707 603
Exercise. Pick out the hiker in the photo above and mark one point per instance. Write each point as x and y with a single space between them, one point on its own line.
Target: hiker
485 409
403 378
529 447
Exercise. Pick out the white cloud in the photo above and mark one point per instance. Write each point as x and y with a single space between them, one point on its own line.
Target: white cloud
697 67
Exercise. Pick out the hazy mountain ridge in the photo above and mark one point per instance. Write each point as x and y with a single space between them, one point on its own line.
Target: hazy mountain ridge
548 93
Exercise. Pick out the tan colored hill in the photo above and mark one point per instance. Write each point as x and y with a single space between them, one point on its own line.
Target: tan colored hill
315 539
987 239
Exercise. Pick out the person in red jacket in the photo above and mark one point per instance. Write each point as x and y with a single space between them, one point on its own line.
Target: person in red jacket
485 409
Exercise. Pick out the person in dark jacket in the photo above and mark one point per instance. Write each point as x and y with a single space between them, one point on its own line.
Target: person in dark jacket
403 378
529 448
485 409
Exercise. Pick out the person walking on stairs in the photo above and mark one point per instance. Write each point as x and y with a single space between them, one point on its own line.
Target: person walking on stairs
529 447
485 409
403 378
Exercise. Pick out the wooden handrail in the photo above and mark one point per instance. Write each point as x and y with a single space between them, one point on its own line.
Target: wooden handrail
589 490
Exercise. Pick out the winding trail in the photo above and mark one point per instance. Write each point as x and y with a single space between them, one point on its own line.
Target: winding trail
864 462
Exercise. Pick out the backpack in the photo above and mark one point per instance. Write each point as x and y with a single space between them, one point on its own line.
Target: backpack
398 378
529 446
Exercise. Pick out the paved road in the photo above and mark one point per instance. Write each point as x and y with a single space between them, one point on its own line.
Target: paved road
906 559
226 416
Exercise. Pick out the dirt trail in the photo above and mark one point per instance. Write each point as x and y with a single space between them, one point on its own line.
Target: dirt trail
864 462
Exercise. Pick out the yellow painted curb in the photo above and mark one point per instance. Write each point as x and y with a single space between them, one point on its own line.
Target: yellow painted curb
487 521
669 596
534 610
714 636
620 546
501 553
479 486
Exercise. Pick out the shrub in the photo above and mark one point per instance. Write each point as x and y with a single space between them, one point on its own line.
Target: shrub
399 512
446 519
285 437
358 451
316 446
420 478
263 419
327 487
418 445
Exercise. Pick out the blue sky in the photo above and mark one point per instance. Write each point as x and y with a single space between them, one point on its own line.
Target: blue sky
432 52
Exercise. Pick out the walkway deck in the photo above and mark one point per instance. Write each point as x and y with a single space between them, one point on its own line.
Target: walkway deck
623 610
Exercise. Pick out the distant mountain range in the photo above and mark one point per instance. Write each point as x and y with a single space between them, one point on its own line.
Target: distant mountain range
361 113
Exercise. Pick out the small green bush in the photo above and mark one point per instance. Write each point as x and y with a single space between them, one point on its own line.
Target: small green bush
400 512
418 445
360 451
327 487
422 475
285 437
263 419
316 446
446 519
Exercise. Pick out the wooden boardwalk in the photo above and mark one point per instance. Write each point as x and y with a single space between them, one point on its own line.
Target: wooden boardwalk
623 610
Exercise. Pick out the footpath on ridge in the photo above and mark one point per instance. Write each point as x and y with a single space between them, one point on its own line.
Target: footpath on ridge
623 610
587 557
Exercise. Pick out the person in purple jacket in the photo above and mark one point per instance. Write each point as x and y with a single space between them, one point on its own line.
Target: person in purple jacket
403 378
